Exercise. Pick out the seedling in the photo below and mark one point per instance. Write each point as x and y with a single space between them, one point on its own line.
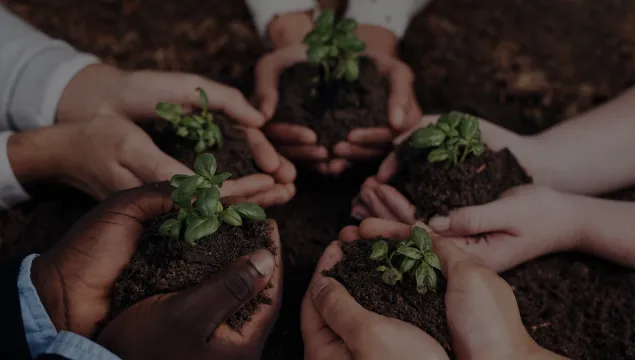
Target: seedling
199 128
201 211
415 258
334 47
454 136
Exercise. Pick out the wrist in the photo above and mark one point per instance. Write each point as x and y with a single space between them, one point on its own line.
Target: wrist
33 154
378 39
49 289
289 29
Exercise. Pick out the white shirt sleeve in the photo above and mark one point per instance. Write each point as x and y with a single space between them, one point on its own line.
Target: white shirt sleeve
11 192
34 70
263 11
394 15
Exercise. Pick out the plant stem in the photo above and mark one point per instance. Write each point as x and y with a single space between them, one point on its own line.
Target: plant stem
467 150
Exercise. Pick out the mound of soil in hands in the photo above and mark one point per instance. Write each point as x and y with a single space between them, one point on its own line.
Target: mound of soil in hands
438 188
234 156
358 273
162 265
336 108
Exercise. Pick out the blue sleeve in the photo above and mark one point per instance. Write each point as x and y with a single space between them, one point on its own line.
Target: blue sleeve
40 333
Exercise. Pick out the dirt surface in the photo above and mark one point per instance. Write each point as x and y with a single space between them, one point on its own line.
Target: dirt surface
162 265
358 273
438 188
337 107
524 64
234 156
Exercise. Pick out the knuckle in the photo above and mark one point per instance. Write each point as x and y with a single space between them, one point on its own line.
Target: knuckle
464 221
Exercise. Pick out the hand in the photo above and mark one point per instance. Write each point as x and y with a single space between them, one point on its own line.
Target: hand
377 199
336 327
496 330
75 278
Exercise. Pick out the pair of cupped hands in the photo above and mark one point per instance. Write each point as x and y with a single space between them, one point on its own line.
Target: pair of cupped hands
75 279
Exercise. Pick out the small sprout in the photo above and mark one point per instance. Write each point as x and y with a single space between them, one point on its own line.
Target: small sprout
414 256
199 128
334 47
204 216
455 136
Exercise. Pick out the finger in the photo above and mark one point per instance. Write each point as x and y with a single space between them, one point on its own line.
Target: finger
360 212
398 205
338 166
362 136
349 234
150 164
354 152
304 152
246 186
230 101
290 134
322 168
264 153
387 168
370 183
279 194
286 173
413 114
121 178
498 216
451 255
373 227
401 80
226 292
375 206
500 252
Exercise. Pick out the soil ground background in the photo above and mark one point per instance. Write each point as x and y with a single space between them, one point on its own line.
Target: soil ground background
525 64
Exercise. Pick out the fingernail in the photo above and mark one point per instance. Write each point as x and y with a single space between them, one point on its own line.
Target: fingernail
439 223
398 116
263 261
357 216
319 286
365 197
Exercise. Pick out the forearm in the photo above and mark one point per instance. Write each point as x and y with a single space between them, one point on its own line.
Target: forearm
393 16
283 22
591 153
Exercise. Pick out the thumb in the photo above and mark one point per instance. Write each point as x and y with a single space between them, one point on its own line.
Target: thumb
150 164
497 216
338 308
216 299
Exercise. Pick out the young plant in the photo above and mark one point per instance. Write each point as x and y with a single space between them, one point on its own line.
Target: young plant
414 257
203 216
454 136
334 47
199 128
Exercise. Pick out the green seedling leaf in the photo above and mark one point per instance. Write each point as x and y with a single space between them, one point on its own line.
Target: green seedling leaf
444 127
346 26
207 201
406 265
427 137
380 250
316 54
409 252
231 217
381 268
315 38
177 179
352 70
421 275
182 132
419 238
454 119
438 155
169 112
432 279
452 141
478 149
352 44
250 211
205 165
325 20
204 100
182 214
200 146
219 179
190 184
468 127
171 228
199 227
216 133
391 276
191 123
199 119
432 259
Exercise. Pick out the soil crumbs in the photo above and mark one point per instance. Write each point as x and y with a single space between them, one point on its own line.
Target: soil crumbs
162 265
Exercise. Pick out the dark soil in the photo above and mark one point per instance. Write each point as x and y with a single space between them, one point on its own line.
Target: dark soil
357 272
162 265
438 188
525 65
336 108
234 156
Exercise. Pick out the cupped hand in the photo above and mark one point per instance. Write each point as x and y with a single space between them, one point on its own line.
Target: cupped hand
481 308
335 326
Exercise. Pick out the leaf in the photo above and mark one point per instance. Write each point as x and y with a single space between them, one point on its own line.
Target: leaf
199 119
432 279
231 217
352 44
190 184
169 112
453 141
438 155
346 26
219 179
204 100
432 259
182 132
421 275
182 214
478 149
315 55
199 227
200 146
207 201
217 134
406 265
419 238
191 123
427 137
205 165
468 127
352 70
177 179
250 211
380 250
454 119
444 127
381 268
325 20
391 276
410 252
171 228
315 38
